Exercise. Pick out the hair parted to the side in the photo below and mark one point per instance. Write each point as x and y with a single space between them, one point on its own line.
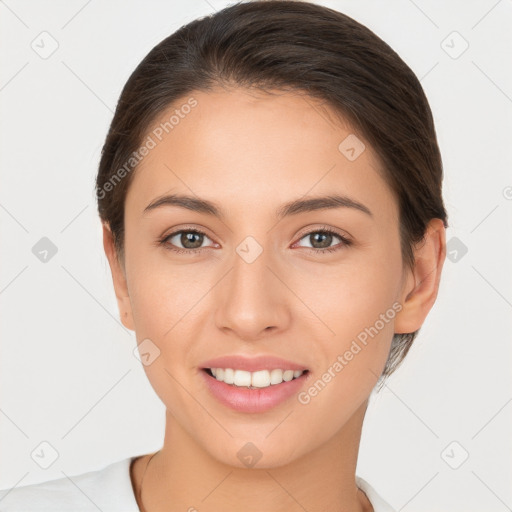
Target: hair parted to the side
296 46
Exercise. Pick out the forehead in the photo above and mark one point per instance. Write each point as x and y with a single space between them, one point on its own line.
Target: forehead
241 147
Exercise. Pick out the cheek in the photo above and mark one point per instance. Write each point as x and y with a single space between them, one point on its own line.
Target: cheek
162 293
349 297
164 301
357 305
350 362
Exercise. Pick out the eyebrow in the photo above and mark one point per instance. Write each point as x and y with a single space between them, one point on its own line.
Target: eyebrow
291 208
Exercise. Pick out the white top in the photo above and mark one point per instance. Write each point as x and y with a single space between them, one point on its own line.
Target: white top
108 489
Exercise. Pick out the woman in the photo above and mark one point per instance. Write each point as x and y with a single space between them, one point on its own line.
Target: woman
270 195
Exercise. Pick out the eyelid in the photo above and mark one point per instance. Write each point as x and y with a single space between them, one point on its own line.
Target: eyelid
164 239
346 240
179 229
323 227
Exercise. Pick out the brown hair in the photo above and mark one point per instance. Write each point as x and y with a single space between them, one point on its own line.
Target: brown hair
288 45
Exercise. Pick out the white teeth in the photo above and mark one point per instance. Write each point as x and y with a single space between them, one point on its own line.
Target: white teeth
258 379
242 378
229 376
287 375
276 376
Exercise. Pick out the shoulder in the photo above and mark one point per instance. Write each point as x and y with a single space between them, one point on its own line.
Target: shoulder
108 489
378 503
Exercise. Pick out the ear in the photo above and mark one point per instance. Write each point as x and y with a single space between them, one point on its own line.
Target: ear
422 282
118 278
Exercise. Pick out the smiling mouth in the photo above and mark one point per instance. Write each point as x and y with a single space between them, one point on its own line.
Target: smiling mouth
254 380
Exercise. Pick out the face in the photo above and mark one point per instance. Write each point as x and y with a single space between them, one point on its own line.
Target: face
255 287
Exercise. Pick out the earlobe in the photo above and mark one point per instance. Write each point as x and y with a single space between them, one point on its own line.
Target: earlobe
118 279
422 283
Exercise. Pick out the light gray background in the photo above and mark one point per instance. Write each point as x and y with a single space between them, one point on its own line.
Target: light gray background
68 373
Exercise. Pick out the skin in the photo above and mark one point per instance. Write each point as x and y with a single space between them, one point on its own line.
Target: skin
250 153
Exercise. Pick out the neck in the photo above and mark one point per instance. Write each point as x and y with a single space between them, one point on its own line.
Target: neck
183 476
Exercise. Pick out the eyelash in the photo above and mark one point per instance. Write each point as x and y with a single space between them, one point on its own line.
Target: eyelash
324 230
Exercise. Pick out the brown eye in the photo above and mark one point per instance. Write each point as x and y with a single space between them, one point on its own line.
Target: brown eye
191 240
321 240
185 240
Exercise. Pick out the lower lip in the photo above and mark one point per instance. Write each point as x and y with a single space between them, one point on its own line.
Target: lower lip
243 399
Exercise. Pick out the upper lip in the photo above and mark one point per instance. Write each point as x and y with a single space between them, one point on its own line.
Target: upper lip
252 364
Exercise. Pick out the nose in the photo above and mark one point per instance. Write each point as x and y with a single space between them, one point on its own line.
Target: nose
252 301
